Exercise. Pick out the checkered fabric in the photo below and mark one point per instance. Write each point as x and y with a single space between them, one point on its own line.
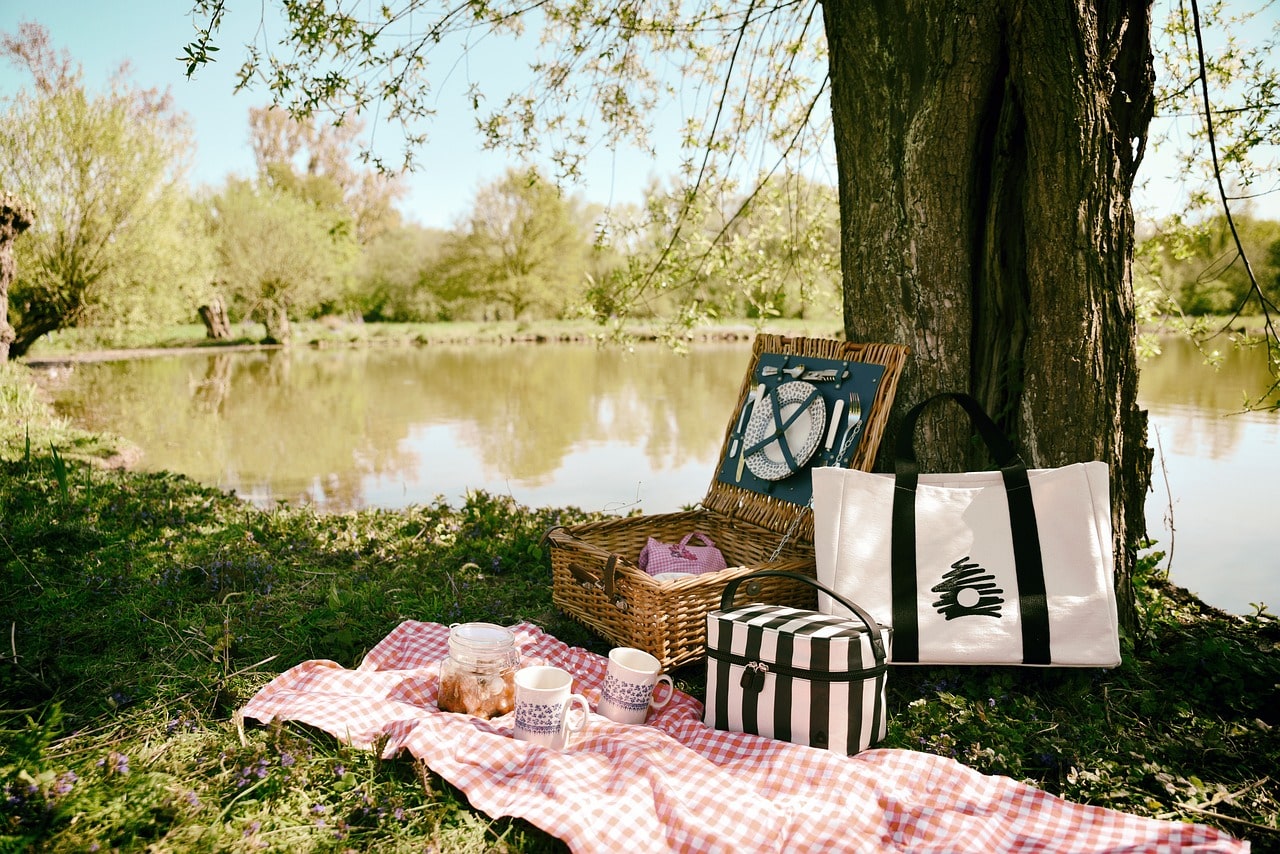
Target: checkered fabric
677 785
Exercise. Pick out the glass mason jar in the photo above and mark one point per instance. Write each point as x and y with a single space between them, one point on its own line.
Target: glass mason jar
478 677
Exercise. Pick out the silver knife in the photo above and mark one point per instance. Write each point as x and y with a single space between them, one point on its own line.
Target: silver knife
835 422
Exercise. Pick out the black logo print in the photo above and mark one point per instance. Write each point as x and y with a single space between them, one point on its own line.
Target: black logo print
967 592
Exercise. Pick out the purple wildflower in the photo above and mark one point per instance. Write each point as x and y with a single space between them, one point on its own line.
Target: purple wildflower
119 763
66 782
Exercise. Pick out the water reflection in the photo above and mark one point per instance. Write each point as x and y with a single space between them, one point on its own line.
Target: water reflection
357 428
561 425
1209 508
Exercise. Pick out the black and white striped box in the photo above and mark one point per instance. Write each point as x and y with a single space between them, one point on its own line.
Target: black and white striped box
797 675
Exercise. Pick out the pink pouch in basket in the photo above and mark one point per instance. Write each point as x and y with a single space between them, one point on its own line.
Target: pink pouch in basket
660 558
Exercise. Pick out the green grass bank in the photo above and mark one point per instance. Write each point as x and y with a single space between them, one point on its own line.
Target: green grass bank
334 332
139 611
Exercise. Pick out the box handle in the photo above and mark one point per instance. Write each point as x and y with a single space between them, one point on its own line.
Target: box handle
877 642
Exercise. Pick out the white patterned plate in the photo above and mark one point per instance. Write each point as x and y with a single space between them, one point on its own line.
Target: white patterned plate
802 437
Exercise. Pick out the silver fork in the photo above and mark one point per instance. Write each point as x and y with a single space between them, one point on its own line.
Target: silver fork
853 422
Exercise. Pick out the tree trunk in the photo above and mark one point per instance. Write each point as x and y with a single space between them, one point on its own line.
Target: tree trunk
15 218
986 153
216 325
276 321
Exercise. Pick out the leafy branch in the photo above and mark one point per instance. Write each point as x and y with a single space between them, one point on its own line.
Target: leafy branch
197 53
1267 307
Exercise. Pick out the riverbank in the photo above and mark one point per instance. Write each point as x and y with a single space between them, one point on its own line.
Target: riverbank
74 345
80 345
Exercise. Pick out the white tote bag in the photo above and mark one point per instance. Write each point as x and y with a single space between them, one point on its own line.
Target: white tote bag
1003 567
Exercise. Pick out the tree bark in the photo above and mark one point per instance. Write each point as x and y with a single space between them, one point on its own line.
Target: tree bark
276 321
15 218
986 152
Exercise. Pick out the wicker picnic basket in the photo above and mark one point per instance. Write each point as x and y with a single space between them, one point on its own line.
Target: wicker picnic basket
756 524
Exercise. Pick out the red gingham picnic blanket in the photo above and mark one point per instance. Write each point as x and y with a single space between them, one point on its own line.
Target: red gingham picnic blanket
678 785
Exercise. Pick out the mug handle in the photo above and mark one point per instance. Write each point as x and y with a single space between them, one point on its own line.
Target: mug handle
671 692
570 701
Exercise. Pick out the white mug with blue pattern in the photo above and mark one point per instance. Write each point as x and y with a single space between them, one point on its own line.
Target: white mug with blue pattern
629 686
544 699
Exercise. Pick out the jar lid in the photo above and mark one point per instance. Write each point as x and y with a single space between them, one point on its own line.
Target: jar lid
482 636
483 645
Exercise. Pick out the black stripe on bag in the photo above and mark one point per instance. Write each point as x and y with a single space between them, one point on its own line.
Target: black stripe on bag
906 625
853 705
1033 603
782 689
878 720
724 640
751 696
819 694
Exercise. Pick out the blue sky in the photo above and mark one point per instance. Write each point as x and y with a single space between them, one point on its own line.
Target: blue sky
150 34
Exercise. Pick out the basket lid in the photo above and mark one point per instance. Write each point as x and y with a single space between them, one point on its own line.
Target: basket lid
797 390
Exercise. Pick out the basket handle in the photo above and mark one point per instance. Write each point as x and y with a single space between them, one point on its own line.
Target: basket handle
877 642
547 536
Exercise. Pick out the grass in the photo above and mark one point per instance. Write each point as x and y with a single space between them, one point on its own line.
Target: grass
336 332
139 611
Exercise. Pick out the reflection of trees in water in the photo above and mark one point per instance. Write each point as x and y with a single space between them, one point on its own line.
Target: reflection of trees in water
211 392
532 405
1180 377
1179 381
315 425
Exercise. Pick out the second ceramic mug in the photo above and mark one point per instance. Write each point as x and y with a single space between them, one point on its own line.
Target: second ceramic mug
630 686
544 699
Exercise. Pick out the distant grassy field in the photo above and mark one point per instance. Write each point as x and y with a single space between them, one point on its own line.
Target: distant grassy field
340 332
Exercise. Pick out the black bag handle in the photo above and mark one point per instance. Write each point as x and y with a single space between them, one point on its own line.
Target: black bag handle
1028 563
873 628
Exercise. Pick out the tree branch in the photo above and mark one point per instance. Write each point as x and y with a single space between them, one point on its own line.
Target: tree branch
1272 337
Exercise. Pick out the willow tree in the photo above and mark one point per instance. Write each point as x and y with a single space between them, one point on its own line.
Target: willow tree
15 218
103 173
985 152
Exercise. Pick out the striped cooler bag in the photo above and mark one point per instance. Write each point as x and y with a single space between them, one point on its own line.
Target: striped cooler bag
796 675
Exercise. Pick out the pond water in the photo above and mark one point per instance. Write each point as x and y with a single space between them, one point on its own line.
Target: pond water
614 430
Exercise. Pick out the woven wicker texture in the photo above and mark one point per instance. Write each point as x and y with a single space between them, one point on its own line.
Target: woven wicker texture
595 578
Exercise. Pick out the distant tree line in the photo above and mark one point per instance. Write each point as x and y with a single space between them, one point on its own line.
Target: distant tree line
117 237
